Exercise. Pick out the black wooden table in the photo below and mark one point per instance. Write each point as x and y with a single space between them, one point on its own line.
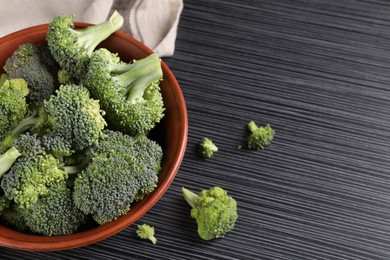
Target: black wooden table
319 73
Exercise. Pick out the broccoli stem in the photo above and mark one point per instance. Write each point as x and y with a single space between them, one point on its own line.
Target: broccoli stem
252 126
73 169
190 197
137 76
25 124
91 36
3 78
7 159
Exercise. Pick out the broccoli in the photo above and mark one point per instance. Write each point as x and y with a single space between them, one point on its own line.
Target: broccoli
64 77
129 93
72 48
122 169
4 203
32 173
54 213
71 115
75 117
13 106
34 64
146 232
207 148
14 217
215 212
7 159
3 78
260 137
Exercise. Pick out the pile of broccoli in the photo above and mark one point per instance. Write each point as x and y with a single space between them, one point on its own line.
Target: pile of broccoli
74 124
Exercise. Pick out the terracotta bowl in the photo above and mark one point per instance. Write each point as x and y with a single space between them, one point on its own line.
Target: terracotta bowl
171 133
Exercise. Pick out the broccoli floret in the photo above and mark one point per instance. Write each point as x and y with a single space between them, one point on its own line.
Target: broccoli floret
7 159
13 106
72 48
146 232
29 178
70 115
215 212
207 147
14 217
33 171
129 93
4 203
34 64
106 188
75 117
260 137
56 146
122 170
64 77
54 213
140 151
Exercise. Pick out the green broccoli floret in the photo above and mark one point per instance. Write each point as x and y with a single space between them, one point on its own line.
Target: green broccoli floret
106 188
146 232
13 106
56 146
71 115
64 77
129 93
54 213
122 169
260 137
14 217
4 203
215 212
72 48
207 147
75 117
34 64
138 150
32 173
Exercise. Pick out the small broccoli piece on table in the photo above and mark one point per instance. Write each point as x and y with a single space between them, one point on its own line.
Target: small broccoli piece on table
260 137
215 212
73 48
145 231
34 64
128 92
122 169
207 147
54 213
13 105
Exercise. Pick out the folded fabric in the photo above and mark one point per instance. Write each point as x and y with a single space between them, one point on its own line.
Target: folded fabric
152 22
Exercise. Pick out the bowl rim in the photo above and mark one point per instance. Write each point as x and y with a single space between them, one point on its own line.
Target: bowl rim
29 242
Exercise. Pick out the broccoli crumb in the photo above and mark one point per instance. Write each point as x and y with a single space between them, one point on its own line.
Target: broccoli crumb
207 148
146 232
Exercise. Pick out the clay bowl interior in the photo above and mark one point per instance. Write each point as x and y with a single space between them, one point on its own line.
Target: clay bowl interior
171 134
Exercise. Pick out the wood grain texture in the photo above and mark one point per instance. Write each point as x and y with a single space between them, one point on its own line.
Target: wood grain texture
318 72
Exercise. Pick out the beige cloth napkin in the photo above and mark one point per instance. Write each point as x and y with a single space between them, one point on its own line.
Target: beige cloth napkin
153 22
